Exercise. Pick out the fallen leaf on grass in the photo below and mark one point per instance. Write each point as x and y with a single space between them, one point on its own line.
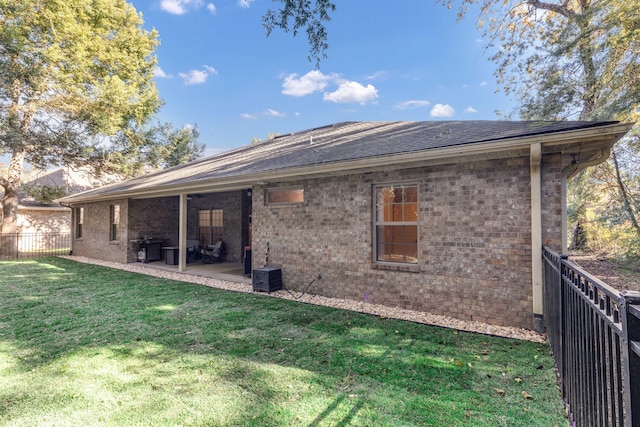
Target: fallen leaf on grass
500 391
518 380
526 395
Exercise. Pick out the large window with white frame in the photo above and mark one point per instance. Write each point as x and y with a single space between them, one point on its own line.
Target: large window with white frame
396 223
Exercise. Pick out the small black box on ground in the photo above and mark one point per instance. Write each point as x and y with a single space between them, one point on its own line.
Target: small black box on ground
267 279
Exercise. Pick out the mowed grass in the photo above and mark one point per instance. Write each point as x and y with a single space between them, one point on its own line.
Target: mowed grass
82 345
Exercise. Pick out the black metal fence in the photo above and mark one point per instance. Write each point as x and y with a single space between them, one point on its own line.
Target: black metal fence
29 245
594 333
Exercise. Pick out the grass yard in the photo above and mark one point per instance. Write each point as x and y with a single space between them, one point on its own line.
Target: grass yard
82 345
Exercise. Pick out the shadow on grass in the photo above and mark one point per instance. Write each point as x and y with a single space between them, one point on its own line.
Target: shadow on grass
80 337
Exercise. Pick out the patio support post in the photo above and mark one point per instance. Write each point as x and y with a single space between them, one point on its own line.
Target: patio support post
182 233
536 236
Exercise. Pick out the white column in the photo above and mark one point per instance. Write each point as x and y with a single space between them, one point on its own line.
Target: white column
536 228
182 233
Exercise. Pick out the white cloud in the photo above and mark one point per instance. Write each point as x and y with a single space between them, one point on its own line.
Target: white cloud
196 77
483 84
159 72
269 112
273 113
245 3
378 75
349 92
442 110
211 7
179 7
470 109
211 70
313 81
416 103
316 81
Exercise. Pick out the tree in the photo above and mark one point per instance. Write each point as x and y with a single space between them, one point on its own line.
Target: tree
310 16
70 72
574 60
272 135
158 146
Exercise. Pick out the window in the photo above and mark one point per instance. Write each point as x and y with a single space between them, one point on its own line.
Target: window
210 225
114 215
396 223
282 196
79 219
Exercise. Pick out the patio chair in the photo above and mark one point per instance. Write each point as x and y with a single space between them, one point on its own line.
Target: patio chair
211 254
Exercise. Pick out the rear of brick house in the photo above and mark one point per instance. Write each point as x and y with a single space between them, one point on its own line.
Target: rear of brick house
442 217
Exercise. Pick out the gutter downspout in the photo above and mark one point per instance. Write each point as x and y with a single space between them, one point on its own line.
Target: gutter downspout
535 156
568 172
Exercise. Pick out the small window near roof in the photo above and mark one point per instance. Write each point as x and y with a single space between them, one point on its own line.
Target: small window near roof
283 196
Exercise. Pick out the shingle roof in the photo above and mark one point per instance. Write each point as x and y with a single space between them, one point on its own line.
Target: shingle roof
341 142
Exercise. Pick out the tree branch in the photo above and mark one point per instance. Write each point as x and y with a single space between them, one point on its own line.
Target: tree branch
559 9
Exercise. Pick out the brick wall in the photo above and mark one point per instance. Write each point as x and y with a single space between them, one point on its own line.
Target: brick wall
158 218
474 244
231 203
552 202
474 240
95 242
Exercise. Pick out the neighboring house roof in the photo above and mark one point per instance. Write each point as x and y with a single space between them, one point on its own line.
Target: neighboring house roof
73 182
358 146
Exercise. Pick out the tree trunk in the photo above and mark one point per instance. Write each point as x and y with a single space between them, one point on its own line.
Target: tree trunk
10 200
625 196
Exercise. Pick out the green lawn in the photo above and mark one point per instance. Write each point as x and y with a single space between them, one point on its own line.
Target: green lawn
82 345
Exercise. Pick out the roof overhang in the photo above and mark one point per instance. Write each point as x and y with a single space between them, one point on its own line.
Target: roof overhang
586 143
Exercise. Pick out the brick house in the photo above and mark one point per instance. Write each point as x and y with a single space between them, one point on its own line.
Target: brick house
444 217
35 216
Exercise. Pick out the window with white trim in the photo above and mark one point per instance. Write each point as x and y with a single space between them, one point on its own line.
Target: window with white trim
210 225
396 223
114 219
284 196
79 220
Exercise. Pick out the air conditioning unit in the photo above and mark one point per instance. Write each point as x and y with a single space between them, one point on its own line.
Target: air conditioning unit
267 279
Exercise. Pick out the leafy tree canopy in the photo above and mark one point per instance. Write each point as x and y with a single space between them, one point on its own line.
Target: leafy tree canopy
70 69
158 146
303 14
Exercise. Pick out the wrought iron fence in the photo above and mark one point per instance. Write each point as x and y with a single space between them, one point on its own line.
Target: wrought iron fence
594 333
29 245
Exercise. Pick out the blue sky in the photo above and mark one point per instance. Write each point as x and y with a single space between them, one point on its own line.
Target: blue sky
408 61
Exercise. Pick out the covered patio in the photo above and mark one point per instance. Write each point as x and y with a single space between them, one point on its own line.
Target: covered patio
228 271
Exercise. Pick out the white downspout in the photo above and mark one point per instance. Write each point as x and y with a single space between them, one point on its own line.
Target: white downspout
182 233
536 235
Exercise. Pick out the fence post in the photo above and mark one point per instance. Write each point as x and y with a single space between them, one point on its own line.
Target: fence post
630 307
